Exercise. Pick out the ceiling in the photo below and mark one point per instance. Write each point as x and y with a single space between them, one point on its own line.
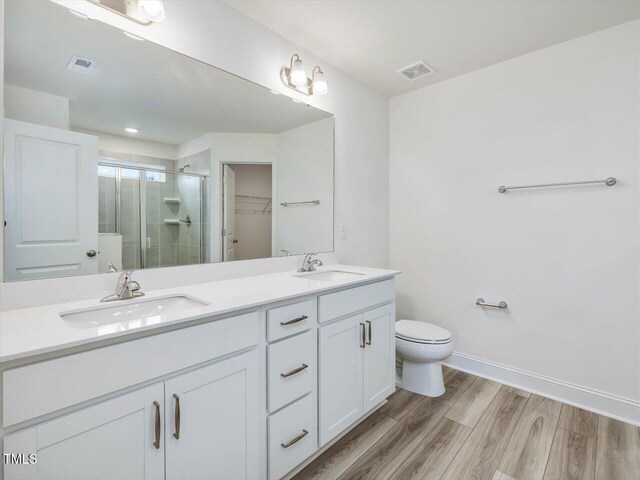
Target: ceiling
371 40
169 97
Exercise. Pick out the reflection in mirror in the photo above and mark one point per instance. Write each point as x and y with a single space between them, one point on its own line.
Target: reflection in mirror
122 154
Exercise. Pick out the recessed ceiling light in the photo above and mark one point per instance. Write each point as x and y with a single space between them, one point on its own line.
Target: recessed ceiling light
135 37
80 15
131 130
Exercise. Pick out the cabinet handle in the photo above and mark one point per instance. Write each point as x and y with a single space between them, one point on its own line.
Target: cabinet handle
362 338
294 371
176 417
369 324
157 442
295 440
295 320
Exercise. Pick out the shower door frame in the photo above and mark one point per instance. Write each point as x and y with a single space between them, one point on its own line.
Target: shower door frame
142 204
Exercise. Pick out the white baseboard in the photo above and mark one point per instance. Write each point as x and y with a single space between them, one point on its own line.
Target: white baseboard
595 401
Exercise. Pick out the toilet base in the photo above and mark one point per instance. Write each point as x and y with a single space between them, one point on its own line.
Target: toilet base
423 378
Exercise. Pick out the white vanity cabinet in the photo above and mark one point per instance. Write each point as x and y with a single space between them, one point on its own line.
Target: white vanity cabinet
113 439
251 394
211 421
205 422
357 356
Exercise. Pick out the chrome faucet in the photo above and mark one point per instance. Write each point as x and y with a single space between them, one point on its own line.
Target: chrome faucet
309 265
125 288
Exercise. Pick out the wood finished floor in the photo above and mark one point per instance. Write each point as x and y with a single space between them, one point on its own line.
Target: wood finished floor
481 430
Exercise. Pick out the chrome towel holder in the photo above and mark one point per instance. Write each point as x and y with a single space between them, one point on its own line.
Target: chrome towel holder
501 305
611 181
312 202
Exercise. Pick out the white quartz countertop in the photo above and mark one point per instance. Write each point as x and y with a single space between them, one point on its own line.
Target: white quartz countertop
34 331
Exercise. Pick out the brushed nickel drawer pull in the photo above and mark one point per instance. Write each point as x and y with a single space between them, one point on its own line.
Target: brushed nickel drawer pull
295 440
294 371
176 416
157 442
363 341
370 335
295 320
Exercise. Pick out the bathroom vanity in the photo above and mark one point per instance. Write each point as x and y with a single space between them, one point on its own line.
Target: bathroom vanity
243 378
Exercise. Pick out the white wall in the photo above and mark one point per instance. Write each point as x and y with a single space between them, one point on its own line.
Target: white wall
219 35
565 259
305 172
32 106
229 148
134 146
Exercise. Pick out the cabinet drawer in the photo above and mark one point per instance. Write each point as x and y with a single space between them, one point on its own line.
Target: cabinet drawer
292 369
290 319
292 437
45 387
345 302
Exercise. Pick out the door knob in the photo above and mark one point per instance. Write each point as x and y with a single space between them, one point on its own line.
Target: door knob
91 253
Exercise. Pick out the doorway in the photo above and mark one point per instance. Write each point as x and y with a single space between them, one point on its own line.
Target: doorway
247 211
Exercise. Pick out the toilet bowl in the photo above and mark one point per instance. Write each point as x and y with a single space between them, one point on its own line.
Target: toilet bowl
420 347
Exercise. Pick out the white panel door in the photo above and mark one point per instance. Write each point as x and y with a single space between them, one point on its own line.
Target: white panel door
379 355
229 203
113 439
51 201
212 422
340 386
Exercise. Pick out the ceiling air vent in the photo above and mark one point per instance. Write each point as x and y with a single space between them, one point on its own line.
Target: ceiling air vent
416 71
80 65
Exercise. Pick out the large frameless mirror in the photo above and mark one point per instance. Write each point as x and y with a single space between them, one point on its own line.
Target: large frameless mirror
122 154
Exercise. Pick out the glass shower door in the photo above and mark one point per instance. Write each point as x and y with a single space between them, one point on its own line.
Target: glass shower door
174 213
119 216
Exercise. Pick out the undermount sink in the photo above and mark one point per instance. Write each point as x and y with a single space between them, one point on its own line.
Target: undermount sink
135 312
329 275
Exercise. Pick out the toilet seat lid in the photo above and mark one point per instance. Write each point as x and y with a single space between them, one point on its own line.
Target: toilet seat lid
421 331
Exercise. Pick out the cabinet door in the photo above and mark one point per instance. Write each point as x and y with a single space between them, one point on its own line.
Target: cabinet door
341 347
212 421
113 439
379 355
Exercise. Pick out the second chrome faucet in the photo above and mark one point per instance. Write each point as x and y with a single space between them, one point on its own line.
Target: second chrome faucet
309 265
125 288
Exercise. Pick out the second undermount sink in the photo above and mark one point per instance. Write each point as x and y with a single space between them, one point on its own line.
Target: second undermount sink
329 275
135 312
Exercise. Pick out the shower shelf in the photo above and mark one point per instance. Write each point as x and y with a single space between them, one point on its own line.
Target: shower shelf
171 200
172 221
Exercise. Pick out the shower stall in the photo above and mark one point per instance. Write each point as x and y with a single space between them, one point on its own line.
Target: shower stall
161 215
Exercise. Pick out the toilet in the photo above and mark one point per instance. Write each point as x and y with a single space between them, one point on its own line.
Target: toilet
420 347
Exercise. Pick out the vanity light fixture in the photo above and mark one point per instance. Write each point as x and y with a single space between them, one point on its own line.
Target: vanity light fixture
131 130
297 74
143 12
318 82
152 10
295 77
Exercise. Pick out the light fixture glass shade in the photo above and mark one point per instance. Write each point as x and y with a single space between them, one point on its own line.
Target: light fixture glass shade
152 10
319 84
298 75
